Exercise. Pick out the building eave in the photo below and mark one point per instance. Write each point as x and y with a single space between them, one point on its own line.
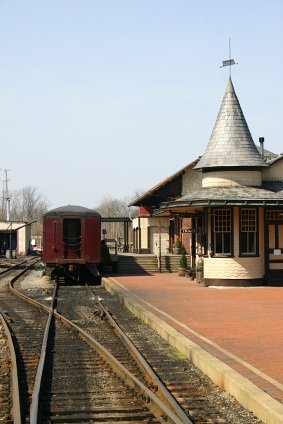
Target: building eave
139 201
222 202
228 197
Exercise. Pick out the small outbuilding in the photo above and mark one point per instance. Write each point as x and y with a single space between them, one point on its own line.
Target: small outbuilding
14 238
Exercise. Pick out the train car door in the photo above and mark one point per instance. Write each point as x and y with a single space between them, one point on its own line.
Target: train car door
52 239
72 238
274 245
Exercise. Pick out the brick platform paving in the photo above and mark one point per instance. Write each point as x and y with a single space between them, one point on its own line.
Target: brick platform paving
243 327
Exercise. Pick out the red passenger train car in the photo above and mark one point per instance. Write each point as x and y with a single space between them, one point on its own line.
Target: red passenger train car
71 241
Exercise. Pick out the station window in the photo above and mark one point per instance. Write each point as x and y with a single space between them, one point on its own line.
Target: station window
274 215
248 231
222 232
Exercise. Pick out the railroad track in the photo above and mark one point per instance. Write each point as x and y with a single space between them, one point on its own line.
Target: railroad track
84 382
22 328
75 380
133 366
97 322
202 401
80 385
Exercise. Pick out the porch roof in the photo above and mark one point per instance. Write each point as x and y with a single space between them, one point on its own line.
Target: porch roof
271 194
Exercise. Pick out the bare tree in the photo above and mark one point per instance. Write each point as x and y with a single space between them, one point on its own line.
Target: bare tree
28 204
110 207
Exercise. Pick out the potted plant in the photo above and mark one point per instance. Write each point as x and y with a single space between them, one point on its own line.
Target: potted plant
183 264
177 249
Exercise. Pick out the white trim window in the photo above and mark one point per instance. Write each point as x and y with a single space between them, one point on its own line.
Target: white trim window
222 232
248 231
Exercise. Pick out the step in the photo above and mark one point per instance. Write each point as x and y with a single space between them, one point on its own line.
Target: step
140 264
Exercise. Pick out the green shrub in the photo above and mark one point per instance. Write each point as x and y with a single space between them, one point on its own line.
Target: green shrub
183 260
178 243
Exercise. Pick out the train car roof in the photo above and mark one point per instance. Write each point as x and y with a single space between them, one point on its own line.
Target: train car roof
72 210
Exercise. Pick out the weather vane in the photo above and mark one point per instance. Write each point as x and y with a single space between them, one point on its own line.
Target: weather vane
230 61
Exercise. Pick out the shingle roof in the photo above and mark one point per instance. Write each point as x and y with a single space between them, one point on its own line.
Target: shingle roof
231 143
71 210
275 159
271 194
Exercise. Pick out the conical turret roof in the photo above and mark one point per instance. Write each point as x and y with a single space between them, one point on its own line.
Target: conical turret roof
231 144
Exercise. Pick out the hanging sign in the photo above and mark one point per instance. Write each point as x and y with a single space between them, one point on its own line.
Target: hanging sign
187 230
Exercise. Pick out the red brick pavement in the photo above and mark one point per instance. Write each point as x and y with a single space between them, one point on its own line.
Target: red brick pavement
243 327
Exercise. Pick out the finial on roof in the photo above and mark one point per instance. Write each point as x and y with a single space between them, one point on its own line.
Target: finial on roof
229 62
231 144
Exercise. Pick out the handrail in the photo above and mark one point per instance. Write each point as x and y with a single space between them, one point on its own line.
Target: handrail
54 248
72 238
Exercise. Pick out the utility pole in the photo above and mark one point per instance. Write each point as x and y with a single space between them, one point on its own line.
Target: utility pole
6 195
8 209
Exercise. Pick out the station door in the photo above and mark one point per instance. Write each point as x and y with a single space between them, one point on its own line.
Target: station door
159 236
274 245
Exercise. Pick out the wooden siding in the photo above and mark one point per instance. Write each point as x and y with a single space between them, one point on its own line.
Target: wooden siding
232 178
233 268
274 173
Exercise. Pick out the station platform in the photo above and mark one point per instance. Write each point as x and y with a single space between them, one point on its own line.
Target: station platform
233 335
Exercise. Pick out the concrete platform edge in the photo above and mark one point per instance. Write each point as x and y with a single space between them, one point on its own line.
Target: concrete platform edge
247 394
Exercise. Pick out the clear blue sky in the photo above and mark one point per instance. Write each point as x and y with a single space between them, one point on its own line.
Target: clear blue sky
106 98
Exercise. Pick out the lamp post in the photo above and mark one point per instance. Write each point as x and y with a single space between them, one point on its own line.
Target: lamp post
159 250
9 220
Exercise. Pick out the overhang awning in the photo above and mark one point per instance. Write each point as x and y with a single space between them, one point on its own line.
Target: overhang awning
227 196
116 219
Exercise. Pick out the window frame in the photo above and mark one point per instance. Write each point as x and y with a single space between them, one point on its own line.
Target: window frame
256 232
231 232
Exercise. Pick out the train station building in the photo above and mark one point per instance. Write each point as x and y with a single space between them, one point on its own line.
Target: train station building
226 206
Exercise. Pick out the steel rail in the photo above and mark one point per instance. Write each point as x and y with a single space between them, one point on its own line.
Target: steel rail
39 373
156 406
23 296
40 368
35 395
152 377
154 403
15 380
15 265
